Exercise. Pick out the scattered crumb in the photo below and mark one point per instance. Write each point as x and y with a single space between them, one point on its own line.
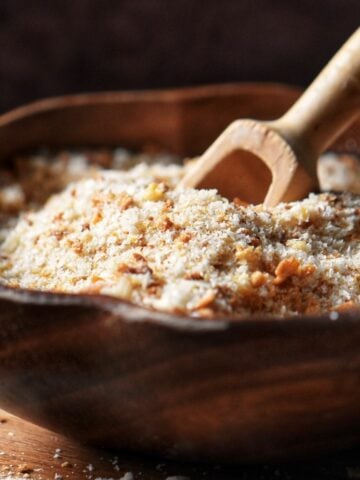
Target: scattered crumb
339 172
57 453
127 476
25 469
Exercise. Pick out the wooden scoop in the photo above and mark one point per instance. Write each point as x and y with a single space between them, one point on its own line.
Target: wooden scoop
276 160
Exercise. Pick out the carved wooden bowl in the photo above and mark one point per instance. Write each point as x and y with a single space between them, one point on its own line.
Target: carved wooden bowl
116 375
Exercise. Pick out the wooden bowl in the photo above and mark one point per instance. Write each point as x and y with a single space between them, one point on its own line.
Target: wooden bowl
116 375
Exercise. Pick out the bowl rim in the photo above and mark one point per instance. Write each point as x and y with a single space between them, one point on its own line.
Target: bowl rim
126 310
131 312
165 95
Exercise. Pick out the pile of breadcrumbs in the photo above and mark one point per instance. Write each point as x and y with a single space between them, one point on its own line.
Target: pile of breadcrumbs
130 234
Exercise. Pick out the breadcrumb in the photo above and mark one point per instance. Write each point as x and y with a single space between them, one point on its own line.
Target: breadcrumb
132 235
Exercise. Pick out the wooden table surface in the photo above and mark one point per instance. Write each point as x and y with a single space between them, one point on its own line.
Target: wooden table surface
30 452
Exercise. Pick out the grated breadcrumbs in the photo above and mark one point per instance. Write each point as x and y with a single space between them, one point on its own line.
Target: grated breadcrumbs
129 234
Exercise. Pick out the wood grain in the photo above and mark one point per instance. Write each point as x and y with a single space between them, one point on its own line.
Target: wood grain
246 391
181 121
27 451
31 451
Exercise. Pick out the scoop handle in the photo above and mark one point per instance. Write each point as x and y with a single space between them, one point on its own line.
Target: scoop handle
327 107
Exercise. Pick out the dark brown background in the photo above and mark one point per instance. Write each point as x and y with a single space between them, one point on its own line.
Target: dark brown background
52 47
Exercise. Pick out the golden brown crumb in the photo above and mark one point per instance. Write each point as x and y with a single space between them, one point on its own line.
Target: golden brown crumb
154 192
193 276
343 307
97 217
205 312
126 202
258 279
206 300
185 237
166 224
250 255
240 203
285 269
